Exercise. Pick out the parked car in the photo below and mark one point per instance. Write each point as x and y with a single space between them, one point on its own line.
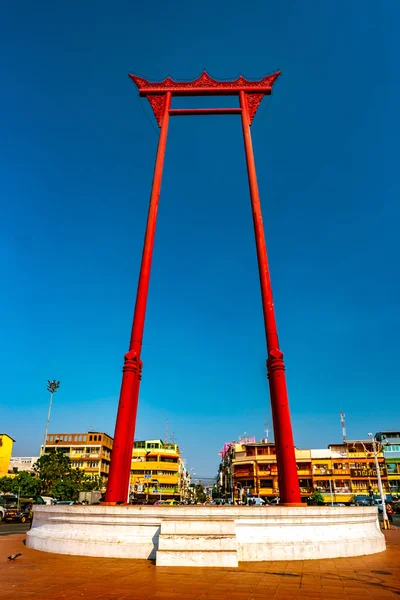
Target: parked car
49 500
166 503
70 502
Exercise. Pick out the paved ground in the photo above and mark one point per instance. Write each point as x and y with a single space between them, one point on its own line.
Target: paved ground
10 528
55 577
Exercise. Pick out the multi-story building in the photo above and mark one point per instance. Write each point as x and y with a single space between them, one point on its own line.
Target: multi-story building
158 471
89 451
22 463
339 472
252 467
390 443
6 443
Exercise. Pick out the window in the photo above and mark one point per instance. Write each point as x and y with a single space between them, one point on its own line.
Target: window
391 467
51 438
76 438
70 438
266 483
262 451
80 438
95 438
84 438
60 438
90 438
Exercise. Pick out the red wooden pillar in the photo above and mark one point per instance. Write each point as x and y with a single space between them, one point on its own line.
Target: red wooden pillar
289 490
120 468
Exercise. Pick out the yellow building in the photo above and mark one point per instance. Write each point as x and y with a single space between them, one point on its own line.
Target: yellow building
89 451
157 471
338 472
6 443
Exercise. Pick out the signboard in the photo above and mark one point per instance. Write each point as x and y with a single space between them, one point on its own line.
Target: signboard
140 488
367 472
147 476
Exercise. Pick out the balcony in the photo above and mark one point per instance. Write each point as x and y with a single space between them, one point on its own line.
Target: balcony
304 472
322 472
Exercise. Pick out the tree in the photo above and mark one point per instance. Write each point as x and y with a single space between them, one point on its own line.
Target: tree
6 484
53 467
90 483
64 489
26 485
199 493
317 498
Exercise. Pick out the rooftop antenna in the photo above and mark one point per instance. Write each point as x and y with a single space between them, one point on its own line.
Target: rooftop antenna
166 431
266 431
343 422
90 429
173 437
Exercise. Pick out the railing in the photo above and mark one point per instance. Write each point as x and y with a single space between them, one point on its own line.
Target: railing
322 472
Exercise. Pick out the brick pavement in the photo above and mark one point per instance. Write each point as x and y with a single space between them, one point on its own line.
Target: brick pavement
46 576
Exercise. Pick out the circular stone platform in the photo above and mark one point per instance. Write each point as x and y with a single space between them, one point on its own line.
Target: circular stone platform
219 536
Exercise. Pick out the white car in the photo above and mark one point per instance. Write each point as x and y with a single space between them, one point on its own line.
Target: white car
48 500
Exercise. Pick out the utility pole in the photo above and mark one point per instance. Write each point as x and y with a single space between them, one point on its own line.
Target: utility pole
52 387
378 473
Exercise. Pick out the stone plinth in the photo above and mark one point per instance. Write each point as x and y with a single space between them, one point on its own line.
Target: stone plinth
252 533
196 542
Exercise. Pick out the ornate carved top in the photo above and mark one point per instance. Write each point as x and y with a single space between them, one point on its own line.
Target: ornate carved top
204 85
204 81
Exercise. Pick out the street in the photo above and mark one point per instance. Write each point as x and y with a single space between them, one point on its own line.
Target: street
10 528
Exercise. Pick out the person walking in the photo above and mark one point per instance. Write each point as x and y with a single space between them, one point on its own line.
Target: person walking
389 511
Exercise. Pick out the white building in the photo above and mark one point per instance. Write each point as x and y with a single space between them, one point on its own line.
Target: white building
22 463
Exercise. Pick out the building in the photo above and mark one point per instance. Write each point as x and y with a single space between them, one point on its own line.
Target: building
251 467
158 472
338 472
22 463
6 443
390 441
89 451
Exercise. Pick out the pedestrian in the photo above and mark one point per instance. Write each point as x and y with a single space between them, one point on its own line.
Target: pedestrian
389 511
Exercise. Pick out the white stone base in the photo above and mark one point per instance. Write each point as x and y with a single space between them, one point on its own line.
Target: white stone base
197 543
207 535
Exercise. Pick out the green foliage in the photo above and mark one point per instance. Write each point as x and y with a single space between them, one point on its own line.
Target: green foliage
51 467
26 485
200 493
6 484
317 498
59 479
64 489
89 484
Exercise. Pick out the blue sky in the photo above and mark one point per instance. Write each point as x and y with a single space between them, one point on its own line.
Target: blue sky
76 164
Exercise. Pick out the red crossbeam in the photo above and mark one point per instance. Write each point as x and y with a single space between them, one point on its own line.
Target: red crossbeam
177 112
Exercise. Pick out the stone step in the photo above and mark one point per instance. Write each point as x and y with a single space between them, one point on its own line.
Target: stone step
174 526
191 542
195 542
203 558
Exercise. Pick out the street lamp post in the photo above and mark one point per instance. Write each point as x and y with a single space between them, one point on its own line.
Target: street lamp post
378 473
52 387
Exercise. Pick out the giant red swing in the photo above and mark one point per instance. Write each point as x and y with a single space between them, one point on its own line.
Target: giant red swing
160 95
